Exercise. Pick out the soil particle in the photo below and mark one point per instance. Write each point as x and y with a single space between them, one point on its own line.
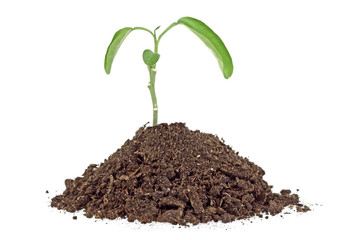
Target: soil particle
169 173
302 208
74 217
172 216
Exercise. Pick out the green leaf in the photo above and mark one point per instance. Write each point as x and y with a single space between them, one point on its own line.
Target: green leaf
212 41
115 44
156 29
150 58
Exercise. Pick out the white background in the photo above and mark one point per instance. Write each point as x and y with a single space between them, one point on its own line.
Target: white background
285 107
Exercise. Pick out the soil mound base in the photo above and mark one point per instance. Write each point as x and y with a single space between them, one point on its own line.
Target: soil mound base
168 173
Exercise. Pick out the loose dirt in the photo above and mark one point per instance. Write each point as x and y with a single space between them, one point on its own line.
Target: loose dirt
169 173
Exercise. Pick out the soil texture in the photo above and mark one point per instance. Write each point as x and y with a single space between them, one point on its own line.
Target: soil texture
169 173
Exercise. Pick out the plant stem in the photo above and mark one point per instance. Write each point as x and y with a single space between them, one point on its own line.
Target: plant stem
144 29
167 29
151 86
152 71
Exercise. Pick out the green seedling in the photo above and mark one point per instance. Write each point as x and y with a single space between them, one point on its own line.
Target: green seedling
208 36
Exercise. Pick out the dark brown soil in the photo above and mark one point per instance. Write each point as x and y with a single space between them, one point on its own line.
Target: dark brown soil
168 173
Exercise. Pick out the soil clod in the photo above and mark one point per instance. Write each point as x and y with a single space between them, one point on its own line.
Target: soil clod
168 173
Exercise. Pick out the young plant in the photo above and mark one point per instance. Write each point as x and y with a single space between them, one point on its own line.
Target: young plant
208 36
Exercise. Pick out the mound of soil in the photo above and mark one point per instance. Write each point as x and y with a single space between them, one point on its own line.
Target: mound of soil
168 173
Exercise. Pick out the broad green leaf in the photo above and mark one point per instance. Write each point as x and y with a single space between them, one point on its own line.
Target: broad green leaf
115 44
212 41
150 58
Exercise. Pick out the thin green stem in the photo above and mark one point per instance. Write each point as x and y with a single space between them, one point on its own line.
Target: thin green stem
156 44
152 72
151 86
167 29
144 29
